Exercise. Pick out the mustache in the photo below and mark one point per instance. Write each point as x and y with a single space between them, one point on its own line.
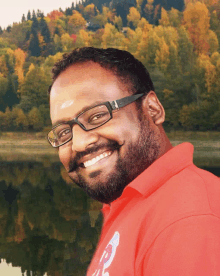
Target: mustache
111 145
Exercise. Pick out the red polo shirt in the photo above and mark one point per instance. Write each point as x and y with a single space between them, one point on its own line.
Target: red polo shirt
166 222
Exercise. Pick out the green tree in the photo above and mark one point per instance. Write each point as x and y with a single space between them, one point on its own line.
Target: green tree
34 88
10 98
20 120
185 50
3 90
23 19
35 119
34 45
29 15
45 32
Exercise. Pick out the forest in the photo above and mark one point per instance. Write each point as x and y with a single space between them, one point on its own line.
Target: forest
179 45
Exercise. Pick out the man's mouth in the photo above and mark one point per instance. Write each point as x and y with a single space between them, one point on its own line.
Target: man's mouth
96 159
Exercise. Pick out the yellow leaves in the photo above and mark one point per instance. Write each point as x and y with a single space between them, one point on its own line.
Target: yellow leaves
84 37
118 22
108 35
196 19
41 40
89 10
77 19
167 93
67 42
144 25
162 55
204 62
31 68
164 21
213 41
134 16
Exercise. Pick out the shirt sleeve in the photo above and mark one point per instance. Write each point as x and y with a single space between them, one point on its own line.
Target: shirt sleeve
190 246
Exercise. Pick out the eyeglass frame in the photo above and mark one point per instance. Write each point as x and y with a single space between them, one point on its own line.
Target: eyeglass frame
111 106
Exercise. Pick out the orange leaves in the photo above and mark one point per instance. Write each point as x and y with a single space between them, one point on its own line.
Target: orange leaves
55 15
197 22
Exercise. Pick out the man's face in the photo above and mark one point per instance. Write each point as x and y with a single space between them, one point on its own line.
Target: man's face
104 160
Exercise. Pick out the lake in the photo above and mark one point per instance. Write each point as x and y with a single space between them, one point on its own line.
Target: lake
49 226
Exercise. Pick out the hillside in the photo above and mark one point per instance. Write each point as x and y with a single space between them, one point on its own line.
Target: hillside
179 45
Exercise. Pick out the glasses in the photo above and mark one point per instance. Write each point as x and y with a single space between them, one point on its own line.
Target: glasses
89 119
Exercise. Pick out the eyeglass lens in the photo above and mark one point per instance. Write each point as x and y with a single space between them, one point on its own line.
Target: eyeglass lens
90 119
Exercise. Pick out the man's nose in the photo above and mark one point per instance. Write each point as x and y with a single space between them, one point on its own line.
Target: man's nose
83 139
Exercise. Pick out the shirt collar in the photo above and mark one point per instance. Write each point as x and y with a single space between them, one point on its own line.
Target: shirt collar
169 164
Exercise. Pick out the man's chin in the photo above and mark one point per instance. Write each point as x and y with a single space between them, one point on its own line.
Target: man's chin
104 188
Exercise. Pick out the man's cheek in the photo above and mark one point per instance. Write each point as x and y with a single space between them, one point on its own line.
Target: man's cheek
65 156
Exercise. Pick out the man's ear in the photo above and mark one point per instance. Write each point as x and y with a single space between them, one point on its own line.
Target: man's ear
152 106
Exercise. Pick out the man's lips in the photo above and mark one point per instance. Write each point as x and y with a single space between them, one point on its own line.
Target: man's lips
92 156
94 160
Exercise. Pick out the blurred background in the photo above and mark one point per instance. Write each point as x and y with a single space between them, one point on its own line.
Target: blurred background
48 226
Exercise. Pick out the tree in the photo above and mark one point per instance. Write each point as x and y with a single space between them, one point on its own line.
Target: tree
162 56
35 119
118 23
58 43
55 14
185 50
197 22
45 32
29 15
89 11
133 16
20 119
19 63
108 35
1 31
23 19
10 98
148 9
3 90
67 42
175 17
33 91
213 42
164 18
76 22
34 45
8 29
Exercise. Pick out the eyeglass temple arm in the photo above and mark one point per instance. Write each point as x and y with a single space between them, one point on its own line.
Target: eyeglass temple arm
124 101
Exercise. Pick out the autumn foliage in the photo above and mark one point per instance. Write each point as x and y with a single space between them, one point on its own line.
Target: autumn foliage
179 48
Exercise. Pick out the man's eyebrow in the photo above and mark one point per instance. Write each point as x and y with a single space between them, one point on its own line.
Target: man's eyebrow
79 112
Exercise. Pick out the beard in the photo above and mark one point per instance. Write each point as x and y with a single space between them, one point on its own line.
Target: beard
139 156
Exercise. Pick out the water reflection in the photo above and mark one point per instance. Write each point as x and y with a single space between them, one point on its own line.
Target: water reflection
46 225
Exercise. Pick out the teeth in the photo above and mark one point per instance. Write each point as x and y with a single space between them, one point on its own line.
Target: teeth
96 159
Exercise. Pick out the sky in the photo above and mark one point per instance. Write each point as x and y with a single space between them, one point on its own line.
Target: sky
12 10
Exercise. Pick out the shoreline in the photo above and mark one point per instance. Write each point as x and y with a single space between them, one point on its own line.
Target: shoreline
34 146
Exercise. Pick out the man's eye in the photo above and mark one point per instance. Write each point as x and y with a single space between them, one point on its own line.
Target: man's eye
63 133
96 118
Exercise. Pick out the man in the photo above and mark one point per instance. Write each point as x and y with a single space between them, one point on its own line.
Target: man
161 212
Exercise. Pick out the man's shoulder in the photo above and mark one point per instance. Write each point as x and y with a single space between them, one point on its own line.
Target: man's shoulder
190 192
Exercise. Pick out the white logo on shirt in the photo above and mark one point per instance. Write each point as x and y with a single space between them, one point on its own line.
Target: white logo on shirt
107 256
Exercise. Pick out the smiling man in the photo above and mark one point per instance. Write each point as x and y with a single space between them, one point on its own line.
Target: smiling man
161 212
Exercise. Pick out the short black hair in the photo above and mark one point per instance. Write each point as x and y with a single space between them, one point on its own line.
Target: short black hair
122 64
